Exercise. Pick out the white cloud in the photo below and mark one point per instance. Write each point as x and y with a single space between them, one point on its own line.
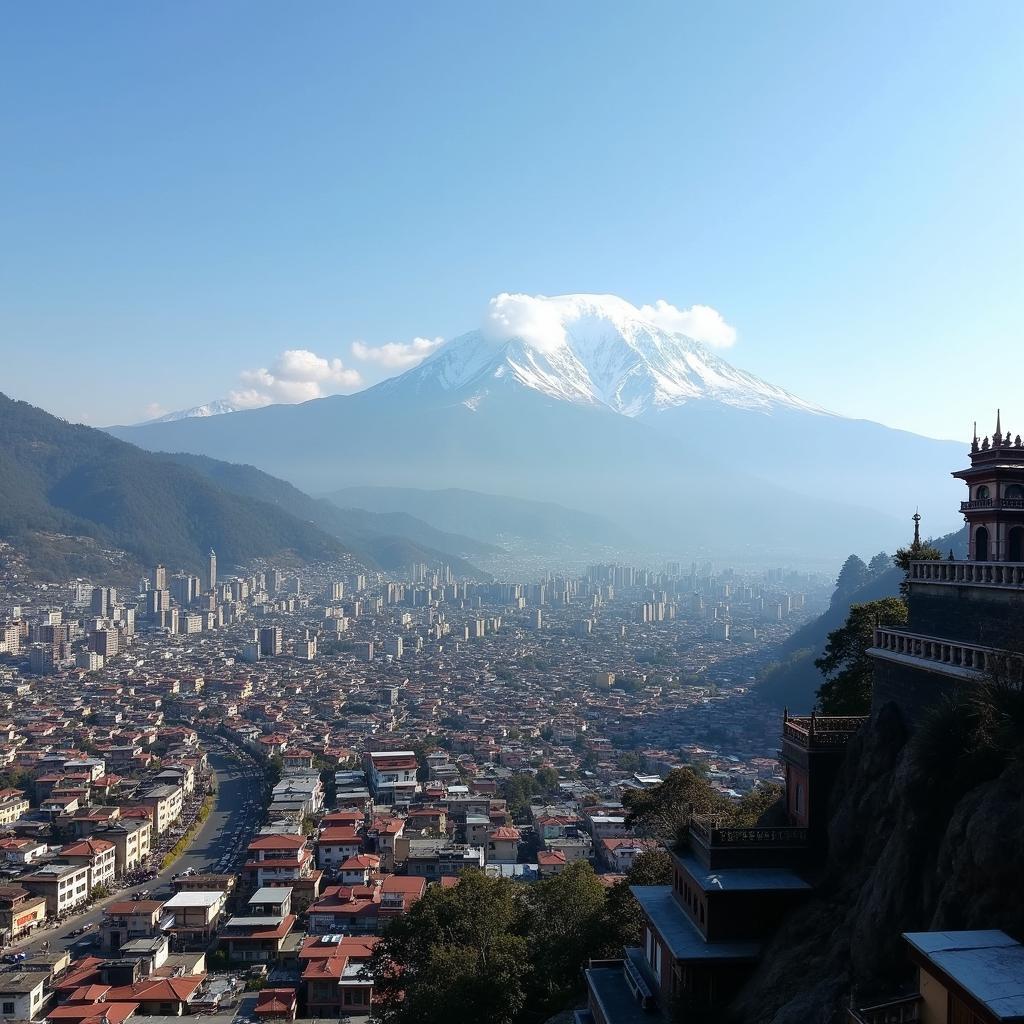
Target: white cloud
297 375
702 323
397 355
534 318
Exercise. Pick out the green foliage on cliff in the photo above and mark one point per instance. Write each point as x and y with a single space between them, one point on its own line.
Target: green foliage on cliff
845 664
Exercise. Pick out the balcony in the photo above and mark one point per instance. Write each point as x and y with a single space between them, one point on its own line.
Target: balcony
709 832
965 661
1004 575
998 503
821 732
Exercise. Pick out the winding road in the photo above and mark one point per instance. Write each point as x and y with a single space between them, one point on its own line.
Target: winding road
237 787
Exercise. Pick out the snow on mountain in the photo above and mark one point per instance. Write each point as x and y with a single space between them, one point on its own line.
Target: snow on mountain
216 408
593 350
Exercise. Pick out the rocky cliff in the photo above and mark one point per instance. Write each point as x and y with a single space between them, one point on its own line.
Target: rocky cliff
926 832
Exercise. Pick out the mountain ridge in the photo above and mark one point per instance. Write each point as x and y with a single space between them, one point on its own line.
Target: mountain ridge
66 480
704 463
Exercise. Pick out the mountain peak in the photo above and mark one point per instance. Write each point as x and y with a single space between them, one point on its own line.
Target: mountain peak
593 350
216 408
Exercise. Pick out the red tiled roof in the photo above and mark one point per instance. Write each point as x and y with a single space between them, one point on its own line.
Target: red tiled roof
368 861
340 834
164 990
87 848
273 1001
505 832
94 1013
278 842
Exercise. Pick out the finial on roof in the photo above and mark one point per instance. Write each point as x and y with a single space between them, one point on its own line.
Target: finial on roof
974 437
917 527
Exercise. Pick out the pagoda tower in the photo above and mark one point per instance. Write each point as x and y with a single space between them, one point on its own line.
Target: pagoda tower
994 508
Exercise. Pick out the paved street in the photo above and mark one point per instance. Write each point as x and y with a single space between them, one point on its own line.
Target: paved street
237 786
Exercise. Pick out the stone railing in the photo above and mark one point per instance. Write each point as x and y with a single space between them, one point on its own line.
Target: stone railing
709 831
967 574
972 660
812 731
928 648
976 503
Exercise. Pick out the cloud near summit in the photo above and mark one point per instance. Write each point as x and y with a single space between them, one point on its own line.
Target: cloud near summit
397 355
297 375
541 320
702 323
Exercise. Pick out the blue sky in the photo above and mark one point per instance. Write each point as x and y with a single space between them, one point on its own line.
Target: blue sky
190 189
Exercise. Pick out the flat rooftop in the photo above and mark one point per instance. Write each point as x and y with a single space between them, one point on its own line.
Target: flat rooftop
680 935
268 894
988 965
194 898
614 997
741 879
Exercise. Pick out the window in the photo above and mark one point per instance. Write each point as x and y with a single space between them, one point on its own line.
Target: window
981 493
1015 491
8 1009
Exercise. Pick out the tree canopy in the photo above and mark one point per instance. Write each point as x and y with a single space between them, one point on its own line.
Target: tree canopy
663 811
852 576
845 664
492 950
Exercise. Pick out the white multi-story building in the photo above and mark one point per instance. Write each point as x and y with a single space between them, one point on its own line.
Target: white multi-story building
392 775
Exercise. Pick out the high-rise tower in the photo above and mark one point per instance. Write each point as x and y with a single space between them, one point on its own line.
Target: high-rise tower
210 582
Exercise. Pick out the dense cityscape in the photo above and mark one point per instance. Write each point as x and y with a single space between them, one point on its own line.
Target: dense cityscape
388 718
487 532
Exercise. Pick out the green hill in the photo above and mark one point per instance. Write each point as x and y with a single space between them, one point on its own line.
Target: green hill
388 540
60 479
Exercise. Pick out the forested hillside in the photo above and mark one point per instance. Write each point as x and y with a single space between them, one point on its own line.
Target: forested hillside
61 479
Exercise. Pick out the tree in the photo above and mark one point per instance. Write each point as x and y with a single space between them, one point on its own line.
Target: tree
566 918
879 564
664 810
623 918
547 779
462 948
852 576
916 551
845 665
629 761
517 791
764 797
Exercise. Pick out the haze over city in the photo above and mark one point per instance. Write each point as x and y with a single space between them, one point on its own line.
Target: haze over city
511 513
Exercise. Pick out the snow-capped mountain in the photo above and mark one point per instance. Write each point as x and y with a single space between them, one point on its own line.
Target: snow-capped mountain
588 401
216 408
595 350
